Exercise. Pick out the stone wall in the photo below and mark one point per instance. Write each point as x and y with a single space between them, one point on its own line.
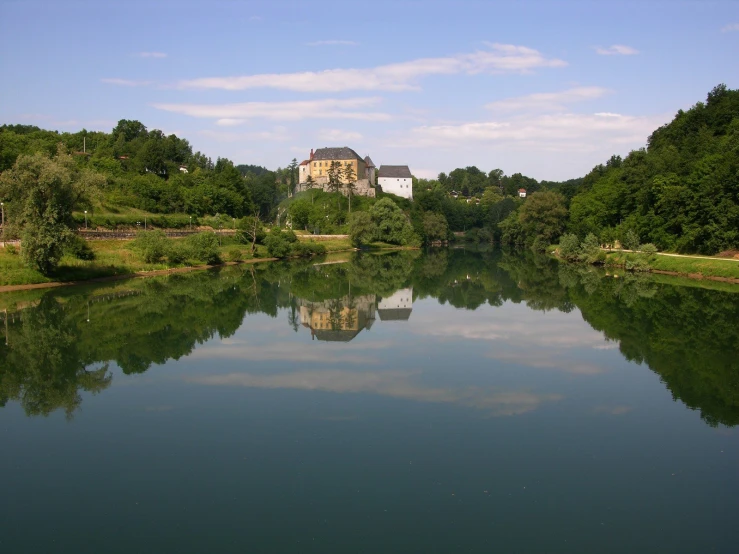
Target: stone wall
361 188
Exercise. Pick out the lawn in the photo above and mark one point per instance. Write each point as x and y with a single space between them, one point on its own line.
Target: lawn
715 267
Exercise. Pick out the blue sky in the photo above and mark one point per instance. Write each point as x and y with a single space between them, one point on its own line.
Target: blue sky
548 89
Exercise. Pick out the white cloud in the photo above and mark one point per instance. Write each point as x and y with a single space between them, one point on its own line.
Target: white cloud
565 132
729 28
617 50
548 101
338 135
234 114
498 58
332 43
125 82
151 54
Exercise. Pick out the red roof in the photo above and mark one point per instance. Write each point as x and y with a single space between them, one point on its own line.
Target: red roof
305 162
521 190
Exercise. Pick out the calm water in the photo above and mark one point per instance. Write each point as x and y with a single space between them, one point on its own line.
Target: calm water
449 402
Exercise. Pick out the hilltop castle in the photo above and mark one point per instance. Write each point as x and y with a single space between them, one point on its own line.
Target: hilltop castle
313 172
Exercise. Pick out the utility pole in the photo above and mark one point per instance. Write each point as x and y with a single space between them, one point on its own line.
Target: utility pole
2 210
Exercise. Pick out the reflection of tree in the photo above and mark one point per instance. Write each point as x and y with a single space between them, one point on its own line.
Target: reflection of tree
44 370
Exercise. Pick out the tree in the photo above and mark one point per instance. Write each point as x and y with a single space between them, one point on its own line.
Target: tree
41 193
250 230
392 224
362 229
351 182
435 227
334 178
293 167
543 216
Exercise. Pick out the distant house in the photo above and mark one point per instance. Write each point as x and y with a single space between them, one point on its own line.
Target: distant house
522 193
183 169
396 179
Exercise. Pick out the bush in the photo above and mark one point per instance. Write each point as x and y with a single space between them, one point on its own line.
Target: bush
569 246
152 245
177 253
78 247
235 255
649 249
589 249
637 263
204 247
278 245
362 229
310 248
11 249
631 240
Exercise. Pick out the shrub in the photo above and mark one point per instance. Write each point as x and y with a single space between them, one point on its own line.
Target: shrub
235 255
310 248
631 240
589 249
362 229
204 247
78 247
569 246
152 245
11 249
649 249
177 252
637 263
278 245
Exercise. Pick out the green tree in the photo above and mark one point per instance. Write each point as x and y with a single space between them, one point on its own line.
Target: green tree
392 224
543 216
351 182
40 193
362 229
435 227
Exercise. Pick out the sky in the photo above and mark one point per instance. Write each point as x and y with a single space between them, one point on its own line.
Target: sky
545 88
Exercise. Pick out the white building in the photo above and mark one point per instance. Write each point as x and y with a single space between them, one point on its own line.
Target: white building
522 193
397 307
396 179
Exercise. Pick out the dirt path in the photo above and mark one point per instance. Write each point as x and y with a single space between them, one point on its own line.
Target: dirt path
137 275
681 255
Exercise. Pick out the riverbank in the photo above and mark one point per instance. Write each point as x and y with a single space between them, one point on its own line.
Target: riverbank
115 260
691 267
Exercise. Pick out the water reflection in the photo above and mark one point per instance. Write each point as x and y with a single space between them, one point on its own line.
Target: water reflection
60 343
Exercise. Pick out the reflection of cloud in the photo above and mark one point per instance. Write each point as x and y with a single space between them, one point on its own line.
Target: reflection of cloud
158 409
396 384
547 360
284 352
519 335
614 410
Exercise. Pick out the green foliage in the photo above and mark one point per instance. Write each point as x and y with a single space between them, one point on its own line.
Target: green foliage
235 255
392 225
204 247
40 193
648 249
308 248
569 246
543 215
362 229
177 252
631 240
79 248
11 249
590 251
435 227
278 244
151 245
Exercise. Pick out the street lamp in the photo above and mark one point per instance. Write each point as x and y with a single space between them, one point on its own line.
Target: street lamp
2 211
85 219
191 223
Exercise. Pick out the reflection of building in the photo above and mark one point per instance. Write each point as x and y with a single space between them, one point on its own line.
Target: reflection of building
338 319
397 307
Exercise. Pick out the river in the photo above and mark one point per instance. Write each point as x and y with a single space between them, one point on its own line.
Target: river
450 401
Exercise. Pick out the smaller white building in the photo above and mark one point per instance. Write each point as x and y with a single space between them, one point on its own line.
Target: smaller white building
522 193
396 179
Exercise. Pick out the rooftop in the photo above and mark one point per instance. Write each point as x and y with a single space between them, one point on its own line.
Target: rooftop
395 171
336 153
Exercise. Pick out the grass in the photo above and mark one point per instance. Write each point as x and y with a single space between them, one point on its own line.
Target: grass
716 267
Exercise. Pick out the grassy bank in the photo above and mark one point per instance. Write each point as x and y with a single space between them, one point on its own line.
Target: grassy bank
715 267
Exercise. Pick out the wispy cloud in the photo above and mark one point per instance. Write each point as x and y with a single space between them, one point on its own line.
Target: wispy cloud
548 101
730 27
256 18
553 132
234 114
404 76
151 54
276 134
332 43
125 82
616 50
